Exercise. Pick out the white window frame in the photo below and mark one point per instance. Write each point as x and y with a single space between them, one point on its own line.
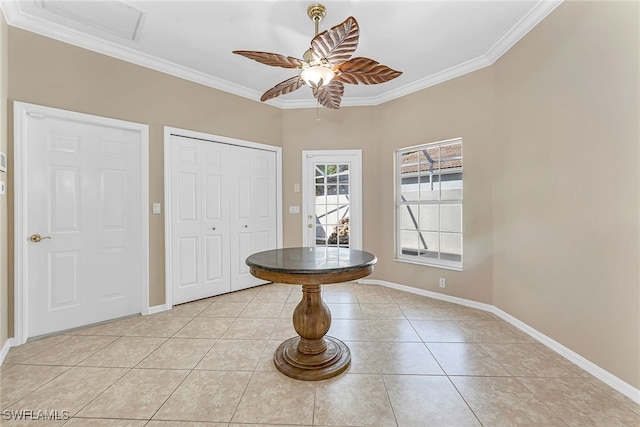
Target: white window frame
400 204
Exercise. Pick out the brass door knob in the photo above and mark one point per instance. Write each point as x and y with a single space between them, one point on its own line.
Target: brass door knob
35 238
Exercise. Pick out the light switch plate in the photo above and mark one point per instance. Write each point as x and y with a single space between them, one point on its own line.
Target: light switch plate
294 209
156 208
2 188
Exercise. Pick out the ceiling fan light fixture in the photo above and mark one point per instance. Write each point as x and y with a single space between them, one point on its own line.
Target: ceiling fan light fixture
327 64
313 75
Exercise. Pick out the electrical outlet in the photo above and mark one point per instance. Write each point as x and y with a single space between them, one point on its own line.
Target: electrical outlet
443 282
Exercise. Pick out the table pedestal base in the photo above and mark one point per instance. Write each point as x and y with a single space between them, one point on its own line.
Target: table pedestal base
311 367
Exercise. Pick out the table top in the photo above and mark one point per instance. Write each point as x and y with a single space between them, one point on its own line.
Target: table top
309 260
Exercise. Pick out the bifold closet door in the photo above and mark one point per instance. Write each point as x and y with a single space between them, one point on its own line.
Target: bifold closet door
253 210
199 219
223 209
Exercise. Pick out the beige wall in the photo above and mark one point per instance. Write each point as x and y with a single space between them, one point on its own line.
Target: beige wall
566 182
551 159
4 278
459 108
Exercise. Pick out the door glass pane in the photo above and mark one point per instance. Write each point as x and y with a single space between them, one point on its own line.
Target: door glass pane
332 204
321 236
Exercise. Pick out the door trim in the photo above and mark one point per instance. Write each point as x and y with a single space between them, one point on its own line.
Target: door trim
357 186
20 168
172 131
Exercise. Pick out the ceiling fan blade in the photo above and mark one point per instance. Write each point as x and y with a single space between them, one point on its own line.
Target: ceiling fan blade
337 44
365 71
330 95
282 88
273 59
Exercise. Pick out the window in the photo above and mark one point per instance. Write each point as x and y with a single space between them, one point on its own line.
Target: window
429 204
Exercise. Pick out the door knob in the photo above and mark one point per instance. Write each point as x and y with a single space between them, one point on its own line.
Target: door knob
35 238
310 225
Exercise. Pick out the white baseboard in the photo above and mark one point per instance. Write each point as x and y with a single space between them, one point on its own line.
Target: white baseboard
434 295
5 349
595 370
11 341
156 309
606 377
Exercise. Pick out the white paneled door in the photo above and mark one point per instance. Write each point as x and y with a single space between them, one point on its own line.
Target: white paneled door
223 209
83 229
200 234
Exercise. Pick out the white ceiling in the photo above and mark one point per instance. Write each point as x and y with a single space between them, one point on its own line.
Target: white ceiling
429 41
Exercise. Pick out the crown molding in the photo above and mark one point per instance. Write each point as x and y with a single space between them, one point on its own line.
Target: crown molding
526 24
16 18
34 24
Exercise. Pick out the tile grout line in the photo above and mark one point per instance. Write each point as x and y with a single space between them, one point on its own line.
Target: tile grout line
393 411
465 400
540 400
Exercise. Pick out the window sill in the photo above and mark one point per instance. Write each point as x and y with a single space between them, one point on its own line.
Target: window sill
430 264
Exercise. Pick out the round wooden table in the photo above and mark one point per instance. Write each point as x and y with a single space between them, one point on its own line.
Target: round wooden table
312 355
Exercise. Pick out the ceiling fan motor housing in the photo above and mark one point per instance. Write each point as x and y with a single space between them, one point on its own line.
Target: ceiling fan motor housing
316 12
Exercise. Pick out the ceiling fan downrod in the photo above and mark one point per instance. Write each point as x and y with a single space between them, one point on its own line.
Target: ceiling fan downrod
316 12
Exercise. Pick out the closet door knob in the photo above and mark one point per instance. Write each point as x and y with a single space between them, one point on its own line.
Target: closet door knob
246 226
213 228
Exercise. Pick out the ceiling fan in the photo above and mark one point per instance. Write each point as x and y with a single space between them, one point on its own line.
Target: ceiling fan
327 64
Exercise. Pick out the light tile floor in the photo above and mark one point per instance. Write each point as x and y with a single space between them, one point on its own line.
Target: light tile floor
415 362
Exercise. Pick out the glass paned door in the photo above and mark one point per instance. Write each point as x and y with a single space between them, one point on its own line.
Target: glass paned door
332 199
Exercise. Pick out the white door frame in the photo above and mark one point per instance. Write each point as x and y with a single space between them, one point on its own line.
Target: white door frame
21 111
356 185
168 131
